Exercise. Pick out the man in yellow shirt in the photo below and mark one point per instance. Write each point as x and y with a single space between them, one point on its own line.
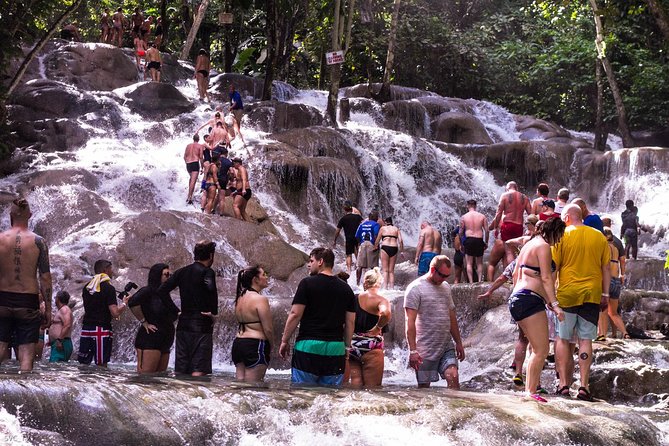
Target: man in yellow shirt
582 263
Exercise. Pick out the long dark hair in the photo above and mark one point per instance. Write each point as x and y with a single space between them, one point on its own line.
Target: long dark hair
155 274
552 230
245 280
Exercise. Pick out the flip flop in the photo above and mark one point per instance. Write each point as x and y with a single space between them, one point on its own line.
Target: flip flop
584 395
600 338
563 391
518 380
538 398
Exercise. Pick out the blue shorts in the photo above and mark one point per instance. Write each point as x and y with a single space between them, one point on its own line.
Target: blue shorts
525 303
580 321
430 370
615 288
424 262
62 355
300 377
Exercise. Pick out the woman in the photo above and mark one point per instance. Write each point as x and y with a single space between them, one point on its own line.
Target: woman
251 348
372 313
211 184
617 259
105 26
202 67
534 289
156 334
390 241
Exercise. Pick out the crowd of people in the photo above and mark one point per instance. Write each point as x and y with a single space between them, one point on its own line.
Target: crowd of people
567 271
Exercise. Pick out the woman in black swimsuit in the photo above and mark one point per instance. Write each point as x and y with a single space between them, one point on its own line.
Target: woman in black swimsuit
390 242
534 290
251 348
157 316
202 66
372 314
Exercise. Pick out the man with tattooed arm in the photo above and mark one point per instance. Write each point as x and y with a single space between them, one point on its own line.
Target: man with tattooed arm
24 272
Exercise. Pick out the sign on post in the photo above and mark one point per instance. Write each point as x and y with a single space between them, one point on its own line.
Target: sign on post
225 18
335 57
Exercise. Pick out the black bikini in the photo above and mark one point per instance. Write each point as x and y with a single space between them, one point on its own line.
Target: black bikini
390 250
536 269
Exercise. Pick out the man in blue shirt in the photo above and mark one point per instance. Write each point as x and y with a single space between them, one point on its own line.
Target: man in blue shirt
368 257
236 104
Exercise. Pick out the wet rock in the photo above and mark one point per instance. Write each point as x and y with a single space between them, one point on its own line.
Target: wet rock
247 86
57 177
158 101
659 138
397 92
407 117
629 383
272 116
283 91
318 141
174 71
459 128
367 106
48 99
436 105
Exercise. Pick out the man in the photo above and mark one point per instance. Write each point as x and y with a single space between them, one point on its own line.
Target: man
236 105
432 327
562 200
589 219
349 222
429 246
61 330
24 274
542 195
475 227
192 156
153 62
118 23
136 19
243 193
510 216
218 134
366 234
582 265
99 297
199 305
225 165
324 307
630 229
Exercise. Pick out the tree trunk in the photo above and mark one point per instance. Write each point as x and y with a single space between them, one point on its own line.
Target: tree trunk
335 70
601 134
199 16
165 23
38 47
384 93
661 17
623 127
272 24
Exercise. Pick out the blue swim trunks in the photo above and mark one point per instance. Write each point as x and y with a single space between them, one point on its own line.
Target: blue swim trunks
424 262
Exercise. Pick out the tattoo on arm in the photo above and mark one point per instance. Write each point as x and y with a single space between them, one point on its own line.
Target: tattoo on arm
43 259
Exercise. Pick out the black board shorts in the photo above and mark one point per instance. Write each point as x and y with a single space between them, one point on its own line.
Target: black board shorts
193 352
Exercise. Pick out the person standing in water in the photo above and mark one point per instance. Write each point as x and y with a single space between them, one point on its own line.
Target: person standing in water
60 331
510 216
349 223
24 273
153 62
429 246
192 156
243 192
202 67
474 226
252 347
156 315
391 244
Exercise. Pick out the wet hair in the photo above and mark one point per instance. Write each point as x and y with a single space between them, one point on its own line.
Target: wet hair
389 220
471 202
203 52
156 274
629 204
563 194
542 188
245 280
196 137
324 254
204 249
439 260
607 222
607 231
343 275
372 278
101 265
20 209
552 230
374 215
63 297
236 160
217 115
348 205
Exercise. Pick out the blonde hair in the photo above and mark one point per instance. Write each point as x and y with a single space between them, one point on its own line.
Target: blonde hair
372 278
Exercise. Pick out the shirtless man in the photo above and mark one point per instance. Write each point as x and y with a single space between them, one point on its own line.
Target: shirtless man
23 254
475 227
105 26
192 157
243 194
218 135
510 212
145 29
429 246
212 122
137 20
542 195
118 21
153 62
61 330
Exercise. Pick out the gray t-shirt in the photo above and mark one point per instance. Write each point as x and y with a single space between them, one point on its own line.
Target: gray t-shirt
433 322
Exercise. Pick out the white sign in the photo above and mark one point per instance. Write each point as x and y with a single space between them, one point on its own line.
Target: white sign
335 57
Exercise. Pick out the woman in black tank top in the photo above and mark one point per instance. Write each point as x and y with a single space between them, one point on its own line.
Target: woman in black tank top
372 314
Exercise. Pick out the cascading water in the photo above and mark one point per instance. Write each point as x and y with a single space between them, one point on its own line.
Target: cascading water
135 171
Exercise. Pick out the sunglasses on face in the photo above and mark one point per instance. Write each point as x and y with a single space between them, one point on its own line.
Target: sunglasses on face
440 274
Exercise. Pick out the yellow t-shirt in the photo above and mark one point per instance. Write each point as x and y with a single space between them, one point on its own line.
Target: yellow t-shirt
579 258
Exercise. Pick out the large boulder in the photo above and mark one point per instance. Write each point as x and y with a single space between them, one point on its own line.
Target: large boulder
158 101
173 71
459 128
407 116
397 92
248 87
48 99
273 116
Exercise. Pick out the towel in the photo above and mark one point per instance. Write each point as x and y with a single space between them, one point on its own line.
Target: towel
94 285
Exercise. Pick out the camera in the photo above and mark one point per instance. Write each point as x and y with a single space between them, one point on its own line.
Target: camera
126 290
